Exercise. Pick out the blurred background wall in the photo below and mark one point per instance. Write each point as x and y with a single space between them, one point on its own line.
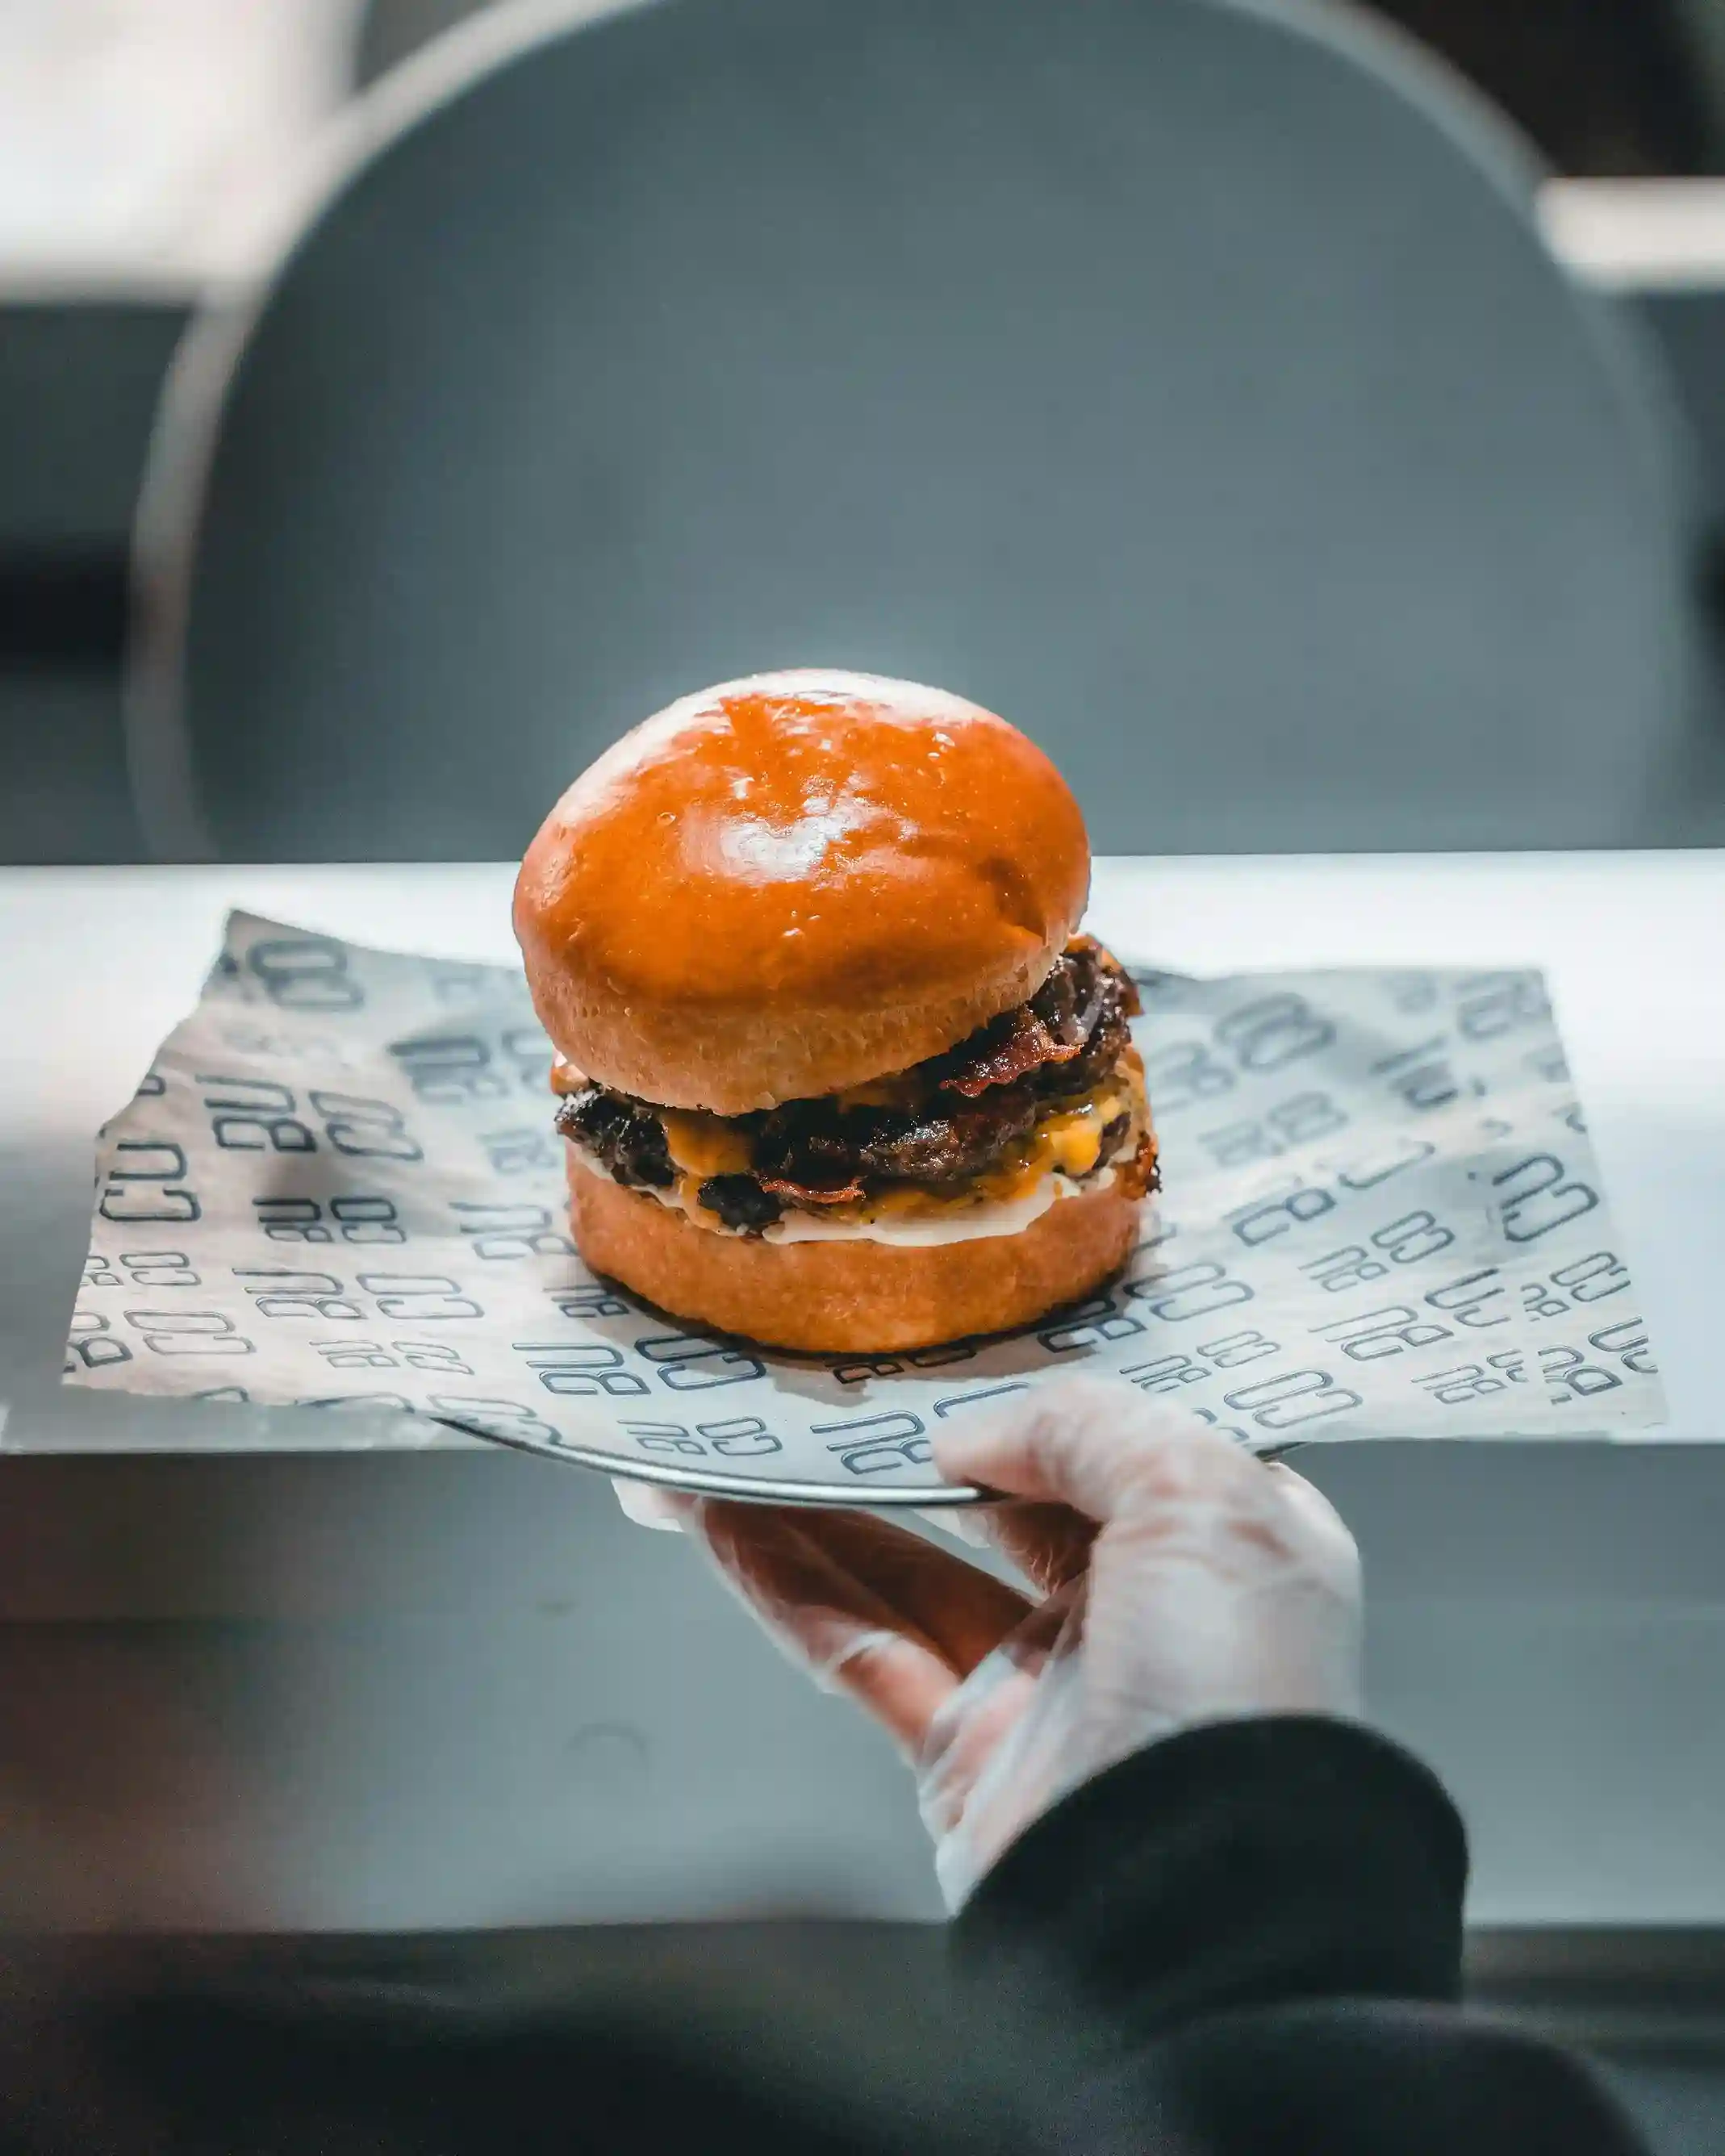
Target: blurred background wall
1607 88
150 148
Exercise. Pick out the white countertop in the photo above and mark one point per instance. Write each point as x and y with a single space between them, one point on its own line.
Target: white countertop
458 1689
1640 235
96 966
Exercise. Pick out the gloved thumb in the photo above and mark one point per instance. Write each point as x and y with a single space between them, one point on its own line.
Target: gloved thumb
648 1505
1082 1442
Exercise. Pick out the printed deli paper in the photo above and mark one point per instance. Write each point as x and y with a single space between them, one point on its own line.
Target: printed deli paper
339 1186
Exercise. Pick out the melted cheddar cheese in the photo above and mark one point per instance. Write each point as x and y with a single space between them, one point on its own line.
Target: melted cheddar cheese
1066 1141
705 1145
1057 1154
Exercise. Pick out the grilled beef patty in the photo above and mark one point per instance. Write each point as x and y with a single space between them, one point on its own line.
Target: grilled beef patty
970 1105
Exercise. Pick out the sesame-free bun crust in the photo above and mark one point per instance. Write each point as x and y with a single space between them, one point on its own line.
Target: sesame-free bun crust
791 884
849 1297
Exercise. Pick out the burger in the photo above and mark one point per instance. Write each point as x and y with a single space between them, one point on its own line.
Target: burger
836 1069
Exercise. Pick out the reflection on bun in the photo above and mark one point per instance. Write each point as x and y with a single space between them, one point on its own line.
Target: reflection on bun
790 884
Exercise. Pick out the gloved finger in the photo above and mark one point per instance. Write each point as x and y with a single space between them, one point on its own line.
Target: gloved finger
1085 1443
972 1735
963 1738
837 1626
963 1611
1050 1544
647 1504
958 1521
1327 1536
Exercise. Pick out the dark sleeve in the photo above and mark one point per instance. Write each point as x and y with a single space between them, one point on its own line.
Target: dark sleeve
1248 1938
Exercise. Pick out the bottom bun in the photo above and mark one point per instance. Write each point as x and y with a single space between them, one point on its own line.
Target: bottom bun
851 1297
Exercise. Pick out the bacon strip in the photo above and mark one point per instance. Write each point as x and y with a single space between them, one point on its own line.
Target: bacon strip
1056 1025
783 1187
1141 1175
1017 1042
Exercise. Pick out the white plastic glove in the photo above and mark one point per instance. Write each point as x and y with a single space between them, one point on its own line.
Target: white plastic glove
1184 1581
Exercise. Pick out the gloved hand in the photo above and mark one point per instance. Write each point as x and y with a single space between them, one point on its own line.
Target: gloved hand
1180 1581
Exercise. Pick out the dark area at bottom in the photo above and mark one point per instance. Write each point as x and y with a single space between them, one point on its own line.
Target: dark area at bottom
1648 2007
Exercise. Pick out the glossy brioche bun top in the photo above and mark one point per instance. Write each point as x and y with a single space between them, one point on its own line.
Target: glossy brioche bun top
796 883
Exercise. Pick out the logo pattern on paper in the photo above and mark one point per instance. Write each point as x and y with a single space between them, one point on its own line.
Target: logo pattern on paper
339 1188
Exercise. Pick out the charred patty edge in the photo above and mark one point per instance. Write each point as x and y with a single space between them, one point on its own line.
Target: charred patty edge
972 1104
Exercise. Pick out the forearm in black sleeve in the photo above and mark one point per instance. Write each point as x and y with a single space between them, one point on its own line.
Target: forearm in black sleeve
1240 1863
1248 1936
